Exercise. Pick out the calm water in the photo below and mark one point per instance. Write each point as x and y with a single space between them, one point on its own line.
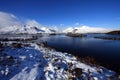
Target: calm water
104 51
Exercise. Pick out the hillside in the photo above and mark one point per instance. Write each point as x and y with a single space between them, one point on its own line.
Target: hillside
30 27
114 32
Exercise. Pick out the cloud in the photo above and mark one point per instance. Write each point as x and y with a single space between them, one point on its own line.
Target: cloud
61 24
8 19
77 24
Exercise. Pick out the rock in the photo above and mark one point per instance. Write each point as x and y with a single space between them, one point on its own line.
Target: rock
72 78
17 45
77 72
70 64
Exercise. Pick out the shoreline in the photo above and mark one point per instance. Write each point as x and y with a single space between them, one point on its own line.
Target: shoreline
107 38
55 63
89 60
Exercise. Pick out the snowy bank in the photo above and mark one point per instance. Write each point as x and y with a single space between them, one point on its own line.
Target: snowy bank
31 61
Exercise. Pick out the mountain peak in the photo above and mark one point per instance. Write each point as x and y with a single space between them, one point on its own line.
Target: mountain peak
32 23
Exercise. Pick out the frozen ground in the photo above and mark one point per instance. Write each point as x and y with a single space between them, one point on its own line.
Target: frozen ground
31 61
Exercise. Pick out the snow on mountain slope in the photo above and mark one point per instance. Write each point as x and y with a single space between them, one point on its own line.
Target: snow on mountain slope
54 29
87 29
35 27
31 27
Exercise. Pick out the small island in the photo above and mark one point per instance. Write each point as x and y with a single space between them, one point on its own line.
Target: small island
53 34
76 35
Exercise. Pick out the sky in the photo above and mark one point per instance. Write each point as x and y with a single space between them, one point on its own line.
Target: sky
66 13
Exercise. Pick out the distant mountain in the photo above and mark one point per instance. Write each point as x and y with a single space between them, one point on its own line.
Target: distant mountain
26 29
35 29
52 30
86 29
114 32
30 27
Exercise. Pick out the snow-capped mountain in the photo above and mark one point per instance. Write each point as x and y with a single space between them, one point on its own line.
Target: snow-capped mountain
31 27
86 29
25 29
35 29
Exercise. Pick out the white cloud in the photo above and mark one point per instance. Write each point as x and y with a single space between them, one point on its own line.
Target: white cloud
8 19
61 24
77 24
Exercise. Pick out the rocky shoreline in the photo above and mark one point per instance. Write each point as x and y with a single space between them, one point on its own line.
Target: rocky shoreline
60 65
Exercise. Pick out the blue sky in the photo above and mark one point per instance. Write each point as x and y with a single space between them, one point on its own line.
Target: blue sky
65 13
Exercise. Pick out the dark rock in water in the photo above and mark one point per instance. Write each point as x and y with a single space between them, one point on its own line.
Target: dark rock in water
53 34
76 35
45 43
114 32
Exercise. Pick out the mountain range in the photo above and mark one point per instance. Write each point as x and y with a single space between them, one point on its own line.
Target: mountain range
31 27
86 29
9 23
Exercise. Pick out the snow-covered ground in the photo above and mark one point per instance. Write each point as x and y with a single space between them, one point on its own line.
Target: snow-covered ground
32 61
